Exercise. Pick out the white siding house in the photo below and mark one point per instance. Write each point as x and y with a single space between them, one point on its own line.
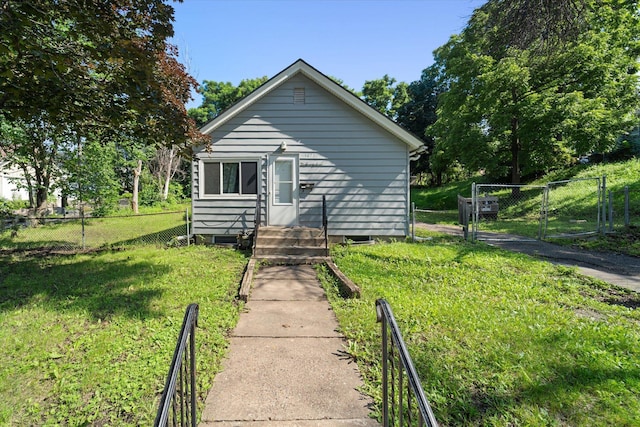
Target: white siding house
297 138
9 177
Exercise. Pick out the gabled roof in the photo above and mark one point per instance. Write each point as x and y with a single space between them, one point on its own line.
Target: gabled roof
301 67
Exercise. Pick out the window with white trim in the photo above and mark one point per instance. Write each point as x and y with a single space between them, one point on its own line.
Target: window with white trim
230 177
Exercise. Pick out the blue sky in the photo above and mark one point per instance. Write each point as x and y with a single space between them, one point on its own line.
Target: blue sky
354 40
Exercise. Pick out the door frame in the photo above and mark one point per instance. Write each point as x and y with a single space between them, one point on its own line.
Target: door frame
274 210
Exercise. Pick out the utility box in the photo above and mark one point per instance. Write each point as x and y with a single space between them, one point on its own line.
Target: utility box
487 208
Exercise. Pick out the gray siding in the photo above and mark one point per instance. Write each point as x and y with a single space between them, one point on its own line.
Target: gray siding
359 167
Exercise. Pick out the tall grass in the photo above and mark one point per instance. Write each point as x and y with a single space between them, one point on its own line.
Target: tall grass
497 338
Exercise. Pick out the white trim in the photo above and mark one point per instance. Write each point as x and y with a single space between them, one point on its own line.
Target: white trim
228 196
301 67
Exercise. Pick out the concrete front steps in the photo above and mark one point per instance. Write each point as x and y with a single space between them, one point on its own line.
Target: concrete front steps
290 245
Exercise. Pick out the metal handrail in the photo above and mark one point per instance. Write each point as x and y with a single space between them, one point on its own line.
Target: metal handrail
178 401
325 222
394 351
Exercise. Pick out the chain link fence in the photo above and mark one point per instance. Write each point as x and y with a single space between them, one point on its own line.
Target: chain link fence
75 234
573 207
623 208
505 212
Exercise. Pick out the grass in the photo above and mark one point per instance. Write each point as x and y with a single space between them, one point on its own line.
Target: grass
498 338
88 339
157 228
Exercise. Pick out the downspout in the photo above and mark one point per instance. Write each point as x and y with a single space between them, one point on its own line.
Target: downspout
411 155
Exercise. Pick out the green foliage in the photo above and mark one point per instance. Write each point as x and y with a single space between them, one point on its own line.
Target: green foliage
497 338
521 109
149 190
8 206
419 112
385 95
218 96
88 339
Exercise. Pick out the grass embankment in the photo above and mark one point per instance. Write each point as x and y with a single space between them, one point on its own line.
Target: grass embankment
572 208
88 339
497 338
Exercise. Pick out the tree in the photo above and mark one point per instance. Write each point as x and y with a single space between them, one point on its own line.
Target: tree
34 147
75 68
218 96
419 112
385 95
163 167
523 99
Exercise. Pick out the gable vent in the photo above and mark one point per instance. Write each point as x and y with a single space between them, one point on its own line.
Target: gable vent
298 95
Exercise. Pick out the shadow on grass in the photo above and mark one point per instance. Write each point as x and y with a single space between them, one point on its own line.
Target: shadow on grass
557 394
102 288
164 237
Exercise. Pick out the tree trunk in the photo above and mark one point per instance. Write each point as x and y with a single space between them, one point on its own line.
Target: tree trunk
168 175
515 157
515 152
136 181
41 199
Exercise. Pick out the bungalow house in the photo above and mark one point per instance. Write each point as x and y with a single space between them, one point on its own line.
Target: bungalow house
299 138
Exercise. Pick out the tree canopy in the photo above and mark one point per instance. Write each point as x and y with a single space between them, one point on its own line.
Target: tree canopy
218 96
94 63
76 72
385 95
532 84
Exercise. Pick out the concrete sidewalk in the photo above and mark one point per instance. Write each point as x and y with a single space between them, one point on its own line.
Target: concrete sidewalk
286 364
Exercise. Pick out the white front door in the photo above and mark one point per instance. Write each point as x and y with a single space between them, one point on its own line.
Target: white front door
283 190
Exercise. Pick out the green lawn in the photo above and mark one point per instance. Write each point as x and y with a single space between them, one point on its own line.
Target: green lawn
118 231
497 338
87 339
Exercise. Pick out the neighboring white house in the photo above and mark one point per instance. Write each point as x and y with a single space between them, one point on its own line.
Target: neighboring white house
299 137
9 176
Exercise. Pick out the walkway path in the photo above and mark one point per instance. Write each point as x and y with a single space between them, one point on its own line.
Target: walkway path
617 269
286 364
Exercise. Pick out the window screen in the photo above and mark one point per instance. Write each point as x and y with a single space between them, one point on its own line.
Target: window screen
230 178
249 177
211 178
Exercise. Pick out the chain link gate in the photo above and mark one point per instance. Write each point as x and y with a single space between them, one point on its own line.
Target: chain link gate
506 212
534 212
574 207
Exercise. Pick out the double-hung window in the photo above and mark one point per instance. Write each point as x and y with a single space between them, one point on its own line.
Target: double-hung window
230 177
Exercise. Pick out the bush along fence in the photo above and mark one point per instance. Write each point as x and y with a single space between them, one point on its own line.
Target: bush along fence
80 233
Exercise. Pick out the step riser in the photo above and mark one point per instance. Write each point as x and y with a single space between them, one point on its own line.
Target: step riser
288 260
289 241
296 251
312 234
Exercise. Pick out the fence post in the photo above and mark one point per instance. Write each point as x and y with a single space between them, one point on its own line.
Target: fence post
187 220
474 218
413 222
602 223
610 211
627 219
82 220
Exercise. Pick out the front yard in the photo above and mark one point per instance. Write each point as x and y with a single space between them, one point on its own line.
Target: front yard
497 338
88 339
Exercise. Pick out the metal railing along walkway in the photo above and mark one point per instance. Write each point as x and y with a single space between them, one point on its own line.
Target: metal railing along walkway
178 402
403 399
